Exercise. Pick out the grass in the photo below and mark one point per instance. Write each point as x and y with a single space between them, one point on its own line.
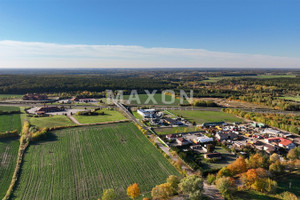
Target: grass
79 163
10 122
51 121
227 158
253 195
8 157
10 96
277 76
291 98
158 98
172 130
109 116
137 116
286 179
206 116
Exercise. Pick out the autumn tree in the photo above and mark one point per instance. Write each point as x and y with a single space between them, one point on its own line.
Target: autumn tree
224 172
173 181
276 167
109 194
162 192
274 157
288 196
193 186
133 191
256 161
265 185
238 166
294 153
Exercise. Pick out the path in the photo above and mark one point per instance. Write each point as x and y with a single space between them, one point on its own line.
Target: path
73 119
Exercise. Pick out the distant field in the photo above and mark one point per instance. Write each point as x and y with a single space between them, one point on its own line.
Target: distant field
206 116
52 121
216 79
79 163
8 159
110 115
291 98
276 76
9 108
158 99
172 130
10 96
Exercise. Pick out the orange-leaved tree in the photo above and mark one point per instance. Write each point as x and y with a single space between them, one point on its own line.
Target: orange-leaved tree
238 166
133 191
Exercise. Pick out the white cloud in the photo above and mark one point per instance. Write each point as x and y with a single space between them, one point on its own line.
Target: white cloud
16 54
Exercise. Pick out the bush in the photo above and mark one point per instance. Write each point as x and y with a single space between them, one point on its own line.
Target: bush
211 178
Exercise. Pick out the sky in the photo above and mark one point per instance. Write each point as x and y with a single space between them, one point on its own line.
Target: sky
149 33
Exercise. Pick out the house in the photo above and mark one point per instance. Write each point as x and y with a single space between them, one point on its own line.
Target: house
284 143
46 109
271 131
226 136
146 113
203 139
213 124
260 125
209 156
35 97
170 121
171 137
181 141
239 144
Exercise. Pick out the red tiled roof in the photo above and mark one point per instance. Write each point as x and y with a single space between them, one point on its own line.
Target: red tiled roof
285 142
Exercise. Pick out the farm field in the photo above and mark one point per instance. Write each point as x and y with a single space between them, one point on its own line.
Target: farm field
206 116
8 158
158 98
109 116
79 163
9 108
291 98
51 121
10 96
172 130
10 122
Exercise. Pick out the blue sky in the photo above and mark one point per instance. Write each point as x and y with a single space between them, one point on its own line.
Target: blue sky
264 27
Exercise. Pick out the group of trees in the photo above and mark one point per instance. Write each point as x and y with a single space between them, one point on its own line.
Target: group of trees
257 173
192 186
288 122
201 103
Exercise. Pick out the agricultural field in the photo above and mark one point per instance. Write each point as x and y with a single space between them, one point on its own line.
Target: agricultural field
109 116
172 130
8 158
51 121
10 122
10 96
158 98
79 163
206 116
291 98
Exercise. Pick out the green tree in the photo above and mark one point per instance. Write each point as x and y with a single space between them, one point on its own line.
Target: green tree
211 178
225 187
193 186
109 194
162 192
294 153
173 181
276 167
288 196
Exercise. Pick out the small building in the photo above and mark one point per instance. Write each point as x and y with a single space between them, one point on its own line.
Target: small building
284 143
209 156
146 113
181 141
226 136
171 137
46 109
203 139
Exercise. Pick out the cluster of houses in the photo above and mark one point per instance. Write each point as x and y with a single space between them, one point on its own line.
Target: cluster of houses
235 136
158 118
49 109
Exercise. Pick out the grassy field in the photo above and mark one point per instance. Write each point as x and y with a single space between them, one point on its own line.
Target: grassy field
8 157
158 98
78 163
284 183
10 122
10 96
110 115
136 115
172 130
252 195
291 98
206 116
52 121
227 158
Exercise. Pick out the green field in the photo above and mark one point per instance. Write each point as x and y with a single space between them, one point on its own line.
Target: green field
291 98
10 96
227 158
8 157
137 116
109 116
172 130
78 163
284 183
10 122
158 98
51 121
206 116
9 108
